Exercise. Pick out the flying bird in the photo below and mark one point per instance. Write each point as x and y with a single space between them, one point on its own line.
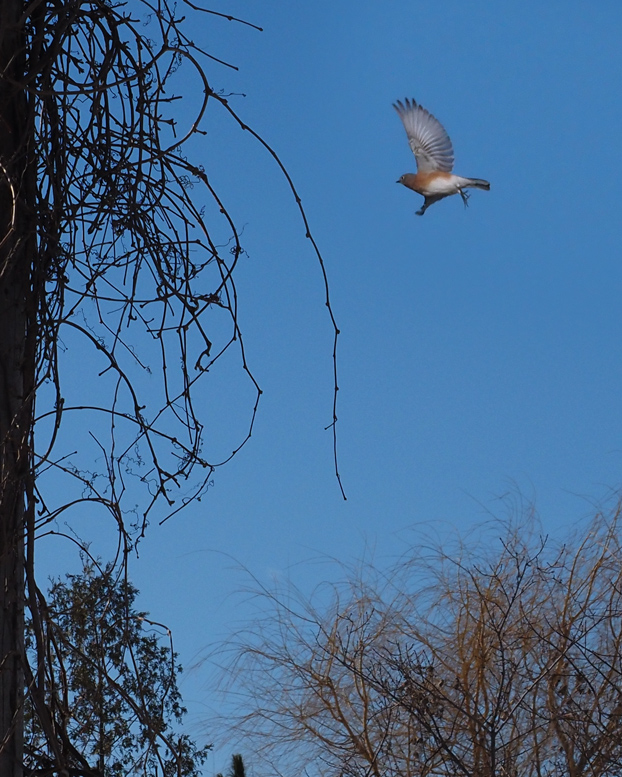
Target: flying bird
433 151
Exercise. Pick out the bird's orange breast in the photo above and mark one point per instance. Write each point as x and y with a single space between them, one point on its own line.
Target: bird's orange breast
424 183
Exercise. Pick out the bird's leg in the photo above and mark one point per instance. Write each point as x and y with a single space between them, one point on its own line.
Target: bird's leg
427 201
465 197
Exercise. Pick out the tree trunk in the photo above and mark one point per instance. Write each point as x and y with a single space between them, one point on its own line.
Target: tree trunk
16 373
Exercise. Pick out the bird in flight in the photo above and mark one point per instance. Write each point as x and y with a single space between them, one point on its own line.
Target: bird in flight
433 151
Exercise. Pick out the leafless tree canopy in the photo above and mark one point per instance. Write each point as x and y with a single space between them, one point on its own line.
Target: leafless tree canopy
485 661
115 247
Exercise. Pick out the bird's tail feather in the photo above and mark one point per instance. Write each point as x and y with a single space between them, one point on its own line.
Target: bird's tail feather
478 183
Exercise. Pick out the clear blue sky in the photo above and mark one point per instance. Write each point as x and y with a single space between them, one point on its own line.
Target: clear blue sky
481 349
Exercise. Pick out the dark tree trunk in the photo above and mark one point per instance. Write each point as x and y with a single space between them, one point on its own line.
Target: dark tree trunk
16 372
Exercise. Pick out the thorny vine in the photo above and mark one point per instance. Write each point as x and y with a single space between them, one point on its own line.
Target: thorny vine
123 240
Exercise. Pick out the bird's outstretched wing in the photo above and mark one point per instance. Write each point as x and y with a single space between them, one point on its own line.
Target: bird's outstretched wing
427 137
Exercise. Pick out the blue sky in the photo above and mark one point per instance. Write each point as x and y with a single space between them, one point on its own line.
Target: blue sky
481 349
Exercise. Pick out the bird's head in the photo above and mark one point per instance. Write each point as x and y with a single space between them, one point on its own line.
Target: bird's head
407 180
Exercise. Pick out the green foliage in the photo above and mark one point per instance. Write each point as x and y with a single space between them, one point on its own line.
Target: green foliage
237 767
114 689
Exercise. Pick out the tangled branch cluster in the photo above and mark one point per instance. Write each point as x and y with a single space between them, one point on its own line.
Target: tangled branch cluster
137 251
125 248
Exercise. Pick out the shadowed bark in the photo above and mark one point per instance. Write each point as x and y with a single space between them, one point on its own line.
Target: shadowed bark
17 367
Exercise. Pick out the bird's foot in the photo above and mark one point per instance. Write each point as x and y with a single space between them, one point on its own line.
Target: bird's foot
465 197
420 212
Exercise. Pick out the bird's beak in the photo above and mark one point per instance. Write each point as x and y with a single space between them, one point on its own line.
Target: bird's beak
398 181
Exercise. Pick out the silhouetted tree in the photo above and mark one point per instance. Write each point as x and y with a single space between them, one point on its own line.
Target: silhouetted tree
114 246
113 682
